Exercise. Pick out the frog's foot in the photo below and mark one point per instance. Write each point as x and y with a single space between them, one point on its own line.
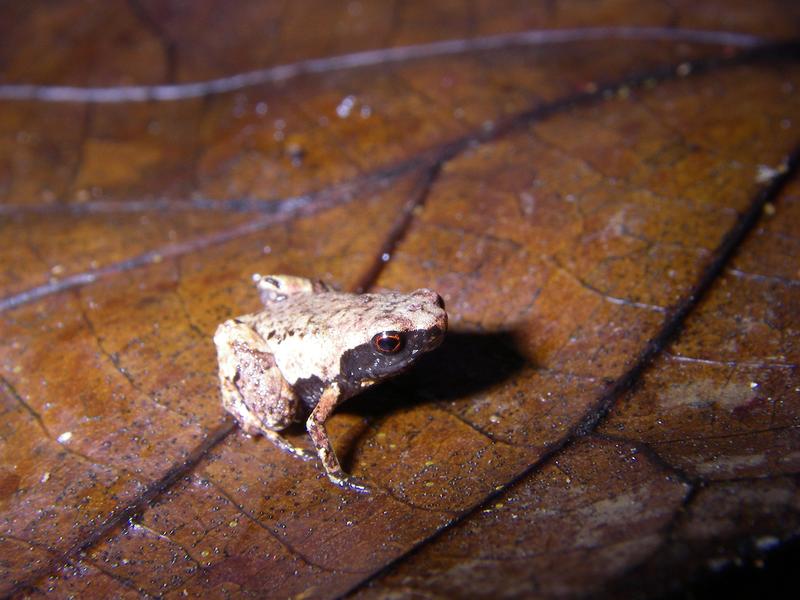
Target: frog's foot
348 482
277 288
284 444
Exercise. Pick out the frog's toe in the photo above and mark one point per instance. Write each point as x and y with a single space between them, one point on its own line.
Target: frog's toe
303 453
299 452
351 483
285 445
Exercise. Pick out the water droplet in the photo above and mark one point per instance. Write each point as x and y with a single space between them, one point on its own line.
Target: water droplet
346 106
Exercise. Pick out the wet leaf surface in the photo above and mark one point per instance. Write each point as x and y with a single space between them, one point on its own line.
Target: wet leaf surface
604 210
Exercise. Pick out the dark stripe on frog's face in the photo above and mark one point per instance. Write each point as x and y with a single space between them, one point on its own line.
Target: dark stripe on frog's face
365 363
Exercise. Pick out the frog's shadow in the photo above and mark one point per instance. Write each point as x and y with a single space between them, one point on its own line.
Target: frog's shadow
465 364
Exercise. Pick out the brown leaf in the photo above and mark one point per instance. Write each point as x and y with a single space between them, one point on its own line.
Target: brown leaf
616 400
690 471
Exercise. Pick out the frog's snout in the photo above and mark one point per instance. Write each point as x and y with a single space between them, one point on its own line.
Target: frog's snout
429 298
436 333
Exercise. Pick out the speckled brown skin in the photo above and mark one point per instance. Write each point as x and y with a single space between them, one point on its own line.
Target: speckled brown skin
311 349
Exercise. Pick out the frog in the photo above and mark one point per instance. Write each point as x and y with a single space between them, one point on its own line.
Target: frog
312 348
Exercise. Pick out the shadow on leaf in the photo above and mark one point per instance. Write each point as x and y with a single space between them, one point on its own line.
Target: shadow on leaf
465 364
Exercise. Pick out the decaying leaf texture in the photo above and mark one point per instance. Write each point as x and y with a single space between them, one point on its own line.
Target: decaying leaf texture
616 406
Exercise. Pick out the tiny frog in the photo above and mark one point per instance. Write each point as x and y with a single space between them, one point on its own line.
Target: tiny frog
312 348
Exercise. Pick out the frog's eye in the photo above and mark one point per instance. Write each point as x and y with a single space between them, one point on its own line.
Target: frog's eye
388 342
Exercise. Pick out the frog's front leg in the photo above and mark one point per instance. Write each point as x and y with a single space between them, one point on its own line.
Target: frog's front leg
319 435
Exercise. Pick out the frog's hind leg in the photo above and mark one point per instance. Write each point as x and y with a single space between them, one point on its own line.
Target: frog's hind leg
284 444
253 389
252 426
276 288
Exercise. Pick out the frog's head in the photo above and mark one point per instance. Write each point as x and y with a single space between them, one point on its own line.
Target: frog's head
400 328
